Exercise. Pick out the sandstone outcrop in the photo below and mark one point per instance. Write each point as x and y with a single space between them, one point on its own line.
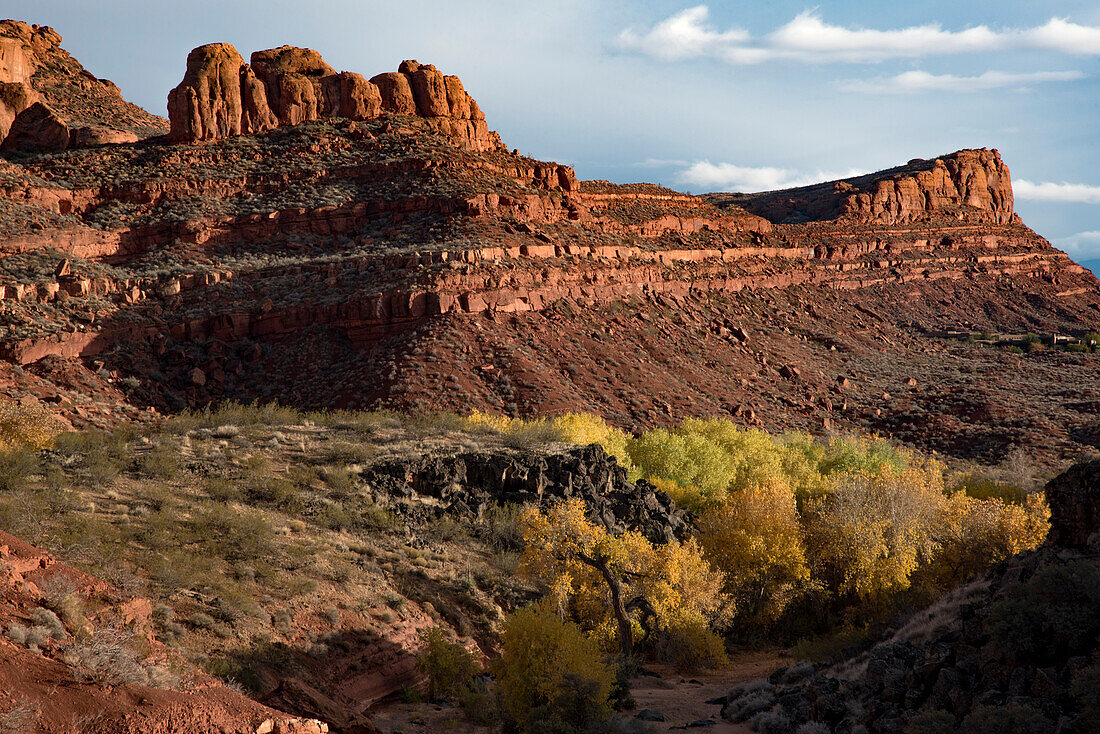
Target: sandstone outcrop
974 184
35 69
37 128
221 96
969 186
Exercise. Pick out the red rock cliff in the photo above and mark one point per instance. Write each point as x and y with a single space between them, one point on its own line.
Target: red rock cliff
970 184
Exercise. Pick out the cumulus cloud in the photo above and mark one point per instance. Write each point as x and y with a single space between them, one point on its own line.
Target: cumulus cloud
683 36
911 82
689 34
1073 193
707 176
1081 244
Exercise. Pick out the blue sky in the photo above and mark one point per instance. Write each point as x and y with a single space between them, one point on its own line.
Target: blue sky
722 96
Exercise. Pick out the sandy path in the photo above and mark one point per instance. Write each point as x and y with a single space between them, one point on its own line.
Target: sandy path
682 699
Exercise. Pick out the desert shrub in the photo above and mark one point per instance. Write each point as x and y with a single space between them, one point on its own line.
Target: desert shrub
278 492
61 594
755 539
30 637
1086 692
236 535
690 646
26 426
870 532
160 462
223 490
770 722
749 699
931 722
16 464
1008 719
450 667
108 657
20 718
546 664
1055 614
47 619
500 526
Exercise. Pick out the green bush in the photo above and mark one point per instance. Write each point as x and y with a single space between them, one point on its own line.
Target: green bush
450 667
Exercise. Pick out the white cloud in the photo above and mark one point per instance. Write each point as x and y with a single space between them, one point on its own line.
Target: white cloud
704 175
1082 243
688 34
682 36
1061 192
911 82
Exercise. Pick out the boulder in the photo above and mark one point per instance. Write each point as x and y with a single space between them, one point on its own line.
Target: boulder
396 93
37 128
293 78
14 98
353 97
86 137
429 91
1074 497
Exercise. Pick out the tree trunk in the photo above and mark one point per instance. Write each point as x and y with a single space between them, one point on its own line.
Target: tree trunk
626 630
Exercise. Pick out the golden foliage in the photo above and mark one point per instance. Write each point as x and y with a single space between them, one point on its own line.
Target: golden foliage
870 532
755 538
539 650
675 578
978 532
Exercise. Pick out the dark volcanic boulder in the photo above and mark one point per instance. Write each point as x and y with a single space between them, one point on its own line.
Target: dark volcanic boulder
1074 497
467 483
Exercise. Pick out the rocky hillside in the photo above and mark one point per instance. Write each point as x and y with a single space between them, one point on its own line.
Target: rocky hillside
49 101
66 629
327 240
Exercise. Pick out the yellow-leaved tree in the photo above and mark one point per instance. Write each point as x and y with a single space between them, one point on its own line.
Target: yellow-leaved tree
870 532
976 533
755 539
609 580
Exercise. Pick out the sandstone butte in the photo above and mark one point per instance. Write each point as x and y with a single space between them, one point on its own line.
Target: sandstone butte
307 235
